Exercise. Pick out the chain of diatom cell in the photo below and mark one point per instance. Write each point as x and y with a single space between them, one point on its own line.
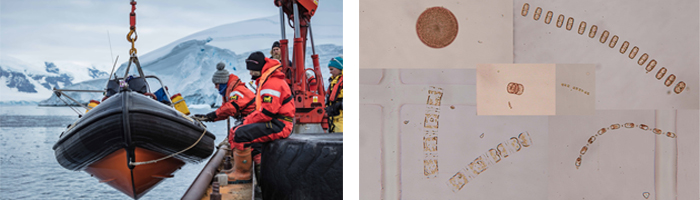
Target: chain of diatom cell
628 125
430 129
680 86
489 158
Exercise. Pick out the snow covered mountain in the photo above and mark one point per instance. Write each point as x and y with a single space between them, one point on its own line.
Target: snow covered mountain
23 83
187 65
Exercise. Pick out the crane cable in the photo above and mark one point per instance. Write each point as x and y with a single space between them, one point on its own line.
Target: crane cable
132 17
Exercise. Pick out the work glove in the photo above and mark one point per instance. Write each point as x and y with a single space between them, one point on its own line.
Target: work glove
209 117
334 110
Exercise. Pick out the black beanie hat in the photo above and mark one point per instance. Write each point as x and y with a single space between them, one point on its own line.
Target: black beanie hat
276 44
255 61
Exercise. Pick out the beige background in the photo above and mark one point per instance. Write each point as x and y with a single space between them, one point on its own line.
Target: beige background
538 98
620 163
388 36
666 30
570 101
459 143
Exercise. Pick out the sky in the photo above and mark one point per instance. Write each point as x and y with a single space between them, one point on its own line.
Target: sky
79 32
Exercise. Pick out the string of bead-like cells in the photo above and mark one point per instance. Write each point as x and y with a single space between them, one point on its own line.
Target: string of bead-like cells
680 86
628 125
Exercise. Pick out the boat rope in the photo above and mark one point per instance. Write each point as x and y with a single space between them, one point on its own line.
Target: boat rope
171 155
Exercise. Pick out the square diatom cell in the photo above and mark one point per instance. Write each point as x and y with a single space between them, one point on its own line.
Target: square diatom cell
535 89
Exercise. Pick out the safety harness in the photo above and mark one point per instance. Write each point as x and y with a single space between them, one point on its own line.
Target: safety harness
334 93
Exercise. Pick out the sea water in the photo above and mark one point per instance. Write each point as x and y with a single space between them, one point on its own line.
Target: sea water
29 170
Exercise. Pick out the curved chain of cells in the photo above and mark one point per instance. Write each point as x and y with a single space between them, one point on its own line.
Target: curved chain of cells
628 125
489 158
680 86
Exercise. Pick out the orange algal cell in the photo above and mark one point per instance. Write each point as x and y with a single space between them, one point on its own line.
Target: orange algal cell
644 127
651 65
560 21
569 23
592 32
526 8
604 36
660 74
669 80
613 41
679 87
548 17
633 53
578 162
601 131
582 28
624 46
643 59
538 13
614 126
671 134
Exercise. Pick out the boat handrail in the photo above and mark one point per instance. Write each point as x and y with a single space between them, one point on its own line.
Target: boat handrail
162 86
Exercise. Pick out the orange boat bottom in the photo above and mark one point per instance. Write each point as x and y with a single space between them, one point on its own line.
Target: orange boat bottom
113 170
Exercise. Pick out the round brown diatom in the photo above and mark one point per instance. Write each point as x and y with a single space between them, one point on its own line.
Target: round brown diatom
437 27
521 89
512 88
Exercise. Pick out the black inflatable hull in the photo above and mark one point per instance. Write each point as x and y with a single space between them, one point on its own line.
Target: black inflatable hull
129 120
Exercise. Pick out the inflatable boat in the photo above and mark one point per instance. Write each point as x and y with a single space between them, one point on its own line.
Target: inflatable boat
132 142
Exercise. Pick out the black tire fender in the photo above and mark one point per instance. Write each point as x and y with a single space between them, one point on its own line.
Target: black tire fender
303 166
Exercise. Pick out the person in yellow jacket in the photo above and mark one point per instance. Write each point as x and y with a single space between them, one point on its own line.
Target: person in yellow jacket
334 98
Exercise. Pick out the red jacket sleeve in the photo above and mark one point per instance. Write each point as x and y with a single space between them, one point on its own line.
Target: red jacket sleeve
271 104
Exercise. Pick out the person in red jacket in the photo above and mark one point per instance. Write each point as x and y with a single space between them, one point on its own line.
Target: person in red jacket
274 110
238 103
238 99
